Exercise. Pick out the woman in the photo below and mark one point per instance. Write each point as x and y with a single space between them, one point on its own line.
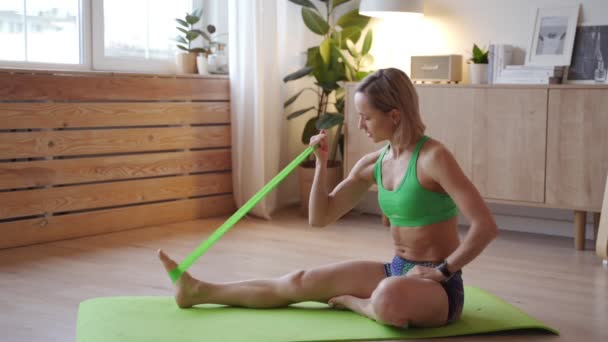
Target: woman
420 186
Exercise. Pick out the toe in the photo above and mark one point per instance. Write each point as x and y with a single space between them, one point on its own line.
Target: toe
335 302
168 263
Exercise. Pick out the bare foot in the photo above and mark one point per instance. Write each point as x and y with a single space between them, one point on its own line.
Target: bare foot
362 306
187 289
340 302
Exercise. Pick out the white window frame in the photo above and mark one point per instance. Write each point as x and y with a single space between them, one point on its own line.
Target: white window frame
92 56
133 64
84 9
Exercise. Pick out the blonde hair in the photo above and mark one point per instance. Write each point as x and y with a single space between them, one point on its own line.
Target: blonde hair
388 89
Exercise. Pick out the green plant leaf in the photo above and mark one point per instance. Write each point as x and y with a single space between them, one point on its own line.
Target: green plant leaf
329 86
327 76
336 3
313 59
352 48
353 18
298 74
325 50
181 39
340 105
351 32
198 12
479 56
329 120
314 22
340 94
362 74
181 47
336 36
203 34
340 100
367 42
292 99
350 74
295 97
305 3
299 112
191 35
310 129
366 61
191 19
182 30
183 23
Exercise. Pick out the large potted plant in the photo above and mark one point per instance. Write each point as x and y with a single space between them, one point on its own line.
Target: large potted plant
339 57
186 61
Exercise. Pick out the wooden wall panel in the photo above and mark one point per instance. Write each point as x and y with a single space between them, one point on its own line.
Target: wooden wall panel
84 154
37 87
46 229
104 195
15 145
86 114
86 170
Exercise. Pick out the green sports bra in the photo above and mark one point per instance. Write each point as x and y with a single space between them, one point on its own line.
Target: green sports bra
410 204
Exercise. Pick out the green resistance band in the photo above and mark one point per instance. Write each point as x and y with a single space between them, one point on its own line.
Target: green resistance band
176 273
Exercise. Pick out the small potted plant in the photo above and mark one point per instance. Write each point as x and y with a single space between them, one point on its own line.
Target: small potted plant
186 61
478 66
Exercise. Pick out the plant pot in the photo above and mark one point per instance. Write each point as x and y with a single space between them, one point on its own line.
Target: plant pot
201 65
185 63
478 73
306 174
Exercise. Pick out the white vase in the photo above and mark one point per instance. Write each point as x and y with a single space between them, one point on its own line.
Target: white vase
478 73
201 65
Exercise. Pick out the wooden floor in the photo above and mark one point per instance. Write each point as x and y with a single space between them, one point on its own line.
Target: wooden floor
41 286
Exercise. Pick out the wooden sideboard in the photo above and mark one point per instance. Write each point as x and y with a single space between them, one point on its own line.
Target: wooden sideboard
536 145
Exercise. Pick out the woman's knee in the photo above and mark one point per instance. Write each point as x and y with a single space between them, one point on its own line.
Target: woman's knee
389 302
293 285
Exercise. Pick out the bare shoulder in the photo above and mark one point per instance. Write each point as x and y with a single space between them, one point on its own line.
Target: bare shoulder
435 156
364 168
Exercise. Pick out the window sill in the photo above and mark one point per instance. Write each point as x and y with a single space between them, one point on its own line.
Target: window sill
103 73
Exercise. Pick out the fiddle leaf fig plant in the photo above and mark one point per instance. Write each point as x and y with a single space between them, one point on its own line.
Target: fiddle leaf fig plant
339 57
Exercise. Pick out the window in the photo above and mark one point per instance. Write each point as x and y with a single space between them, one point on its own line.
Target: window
126 35
41 31
136 33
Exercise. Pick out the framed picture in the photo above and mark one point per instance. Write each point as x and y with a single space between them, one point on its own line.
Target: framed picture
590 55
553 36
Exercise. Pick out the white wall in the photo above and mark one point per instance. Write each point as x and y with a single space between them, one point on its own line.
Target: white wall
449 27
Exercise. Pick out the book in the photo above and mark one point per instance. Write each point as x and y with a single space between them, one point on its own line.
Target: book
502 55
525 74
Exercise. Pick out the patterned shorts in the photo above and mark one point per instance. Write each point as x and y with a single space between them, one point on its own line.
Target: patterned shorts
453 287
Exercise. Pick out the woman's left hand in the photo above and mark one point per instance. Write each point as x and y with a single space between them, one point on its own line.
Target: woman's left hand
426 273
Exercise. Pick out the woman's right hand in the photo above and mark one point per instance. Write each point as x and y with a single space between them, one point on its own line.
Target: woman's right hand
320 140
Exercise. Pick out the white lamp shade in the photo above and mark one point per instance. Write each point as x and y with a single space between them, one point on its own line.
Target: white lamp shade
391 8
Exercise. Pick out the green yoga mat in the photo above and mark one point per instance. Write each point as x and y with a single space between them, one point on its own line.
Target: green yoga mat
135 319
